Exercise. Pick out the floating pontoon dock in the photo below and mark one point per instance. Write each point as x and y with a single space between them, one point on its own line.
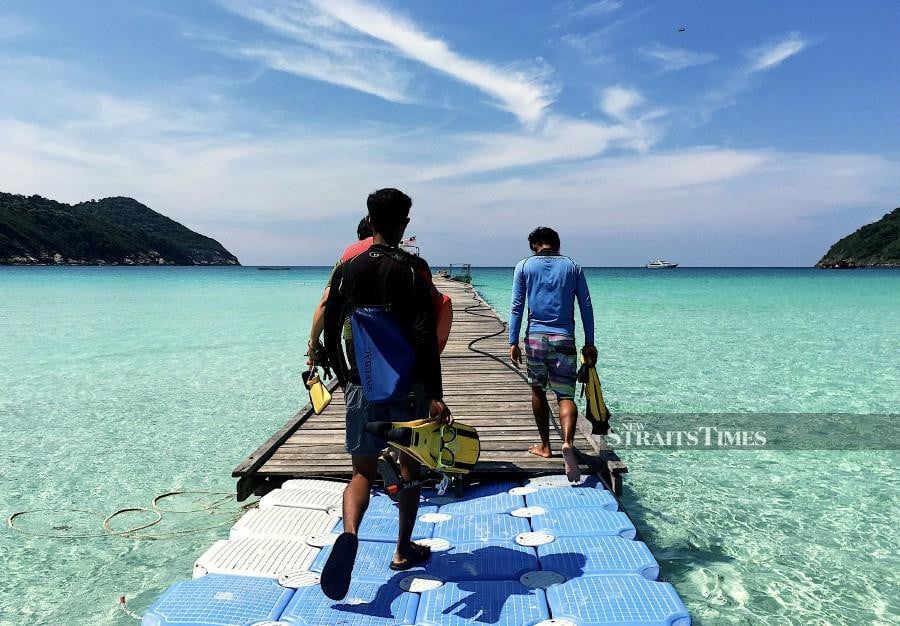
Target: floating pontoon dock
520 546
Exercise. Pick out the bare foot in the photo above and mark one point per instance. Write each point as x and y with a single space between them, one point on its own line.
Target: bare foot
573 473
540 450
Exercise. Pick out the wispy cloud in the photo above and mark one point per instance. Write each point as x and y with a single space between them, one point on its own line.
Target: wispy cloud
769 56
280 191
559 139
525 94
243 188
315 46
672 59
361 46
13 26
737 201
377 77
596 9
596 46
618 101
759 60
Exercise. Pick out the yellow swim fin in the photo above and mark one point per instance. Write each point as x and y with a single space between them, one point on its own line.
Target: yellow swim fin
597 412
448 448
319 396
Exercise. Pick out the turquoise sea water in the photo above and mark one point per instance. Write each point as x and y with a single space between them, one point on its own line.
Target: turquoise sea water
122 383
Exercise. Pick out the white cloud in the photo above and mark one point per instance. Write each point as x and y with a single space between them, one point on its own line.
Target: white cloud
524 94
13 27
672 59
745 77
559 139
618 101
294 195
264 196
361 46
313 45
596 9
706 205
376 76
771 55
591 47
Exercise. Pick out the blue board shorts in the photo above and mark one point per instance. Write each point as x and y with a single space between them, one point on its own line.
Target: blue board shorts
360 412
551 362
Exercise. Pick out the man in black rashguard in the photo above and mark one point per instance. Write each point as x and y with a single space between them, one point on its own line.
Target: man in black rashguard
382 275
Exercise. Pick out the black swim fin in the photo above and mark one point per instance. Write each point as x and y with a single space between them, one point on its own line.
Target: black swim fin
597 412
449 448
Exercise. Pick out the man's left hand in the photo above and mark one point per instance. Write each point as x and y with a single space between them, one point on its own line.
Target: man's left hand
590 355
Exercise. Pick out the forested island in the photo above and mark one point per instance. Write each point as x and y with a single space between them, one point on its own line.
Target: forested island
874 245
112 231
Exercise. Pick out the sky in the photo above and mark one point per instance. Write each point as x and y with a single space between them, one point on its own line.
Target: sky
756 136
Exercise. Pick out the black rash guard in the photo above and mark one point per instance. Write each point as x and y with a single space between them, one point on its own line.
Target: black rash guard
385 276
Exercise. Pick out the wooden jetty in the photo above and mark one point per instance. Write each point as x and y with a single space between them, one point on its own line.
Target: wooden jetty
481 388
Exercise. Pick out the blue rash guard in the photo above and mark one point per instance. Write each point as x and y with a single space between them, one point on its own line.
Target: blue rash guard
551 282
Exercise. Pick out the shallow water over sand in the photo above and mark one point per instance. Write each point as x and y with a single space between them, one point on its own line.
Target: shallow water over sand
123 383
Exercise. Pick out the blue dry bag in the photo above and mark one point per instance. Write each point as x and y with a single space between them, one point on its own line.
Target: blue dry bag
384 357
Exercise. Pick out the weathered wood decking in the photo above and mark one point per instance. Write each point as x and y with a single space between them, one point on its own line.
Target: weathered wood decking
480 388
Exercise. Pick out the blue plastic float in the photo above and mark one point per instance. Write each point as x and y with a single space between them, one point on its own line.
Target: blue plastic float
587 522
569 558
219 600
503 603
487 527
367 604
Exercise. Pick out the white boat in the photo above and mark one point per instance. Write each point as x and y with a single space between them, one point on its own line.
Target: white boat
659 264
409 245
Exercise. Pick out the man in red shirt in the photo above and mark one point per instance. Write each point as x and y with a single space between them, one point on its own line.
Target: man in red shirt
443 305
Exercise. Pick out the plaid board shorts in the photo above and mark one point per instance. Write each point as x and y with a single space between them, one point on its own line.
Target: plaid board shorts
552 362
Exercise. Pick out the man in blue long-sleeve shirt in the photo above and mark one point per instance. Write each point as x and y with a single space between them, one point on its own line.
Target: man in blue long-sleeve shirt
551 283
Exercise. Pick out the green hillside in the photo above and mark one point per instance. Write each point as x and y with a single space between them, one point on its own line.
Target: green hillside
874 245
113 231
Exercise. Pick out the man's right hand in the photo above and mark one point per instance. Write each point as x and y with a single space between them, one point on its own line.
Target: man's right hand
311 348
515 354
437 410
317 357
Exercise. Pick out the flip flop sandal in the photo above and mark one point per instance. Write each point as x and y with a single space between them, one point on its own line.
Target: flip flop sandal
335 579
422 554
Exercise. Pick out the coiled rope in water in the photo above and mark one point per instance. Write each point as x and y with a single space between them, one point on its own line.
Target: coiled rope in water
61 527
134 529
123 606
58 531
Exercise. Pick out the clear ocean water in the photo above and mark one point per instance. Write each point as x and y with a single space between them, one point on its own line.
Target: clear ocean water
119 384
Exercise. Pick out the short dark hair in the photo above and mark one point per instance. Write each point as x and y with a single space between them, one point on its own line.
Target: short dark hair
364 230
388 208
544 235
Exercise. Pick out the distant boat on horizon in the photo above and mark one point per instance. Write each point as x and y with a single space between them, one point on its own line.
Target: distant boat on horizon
409 245
659 264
